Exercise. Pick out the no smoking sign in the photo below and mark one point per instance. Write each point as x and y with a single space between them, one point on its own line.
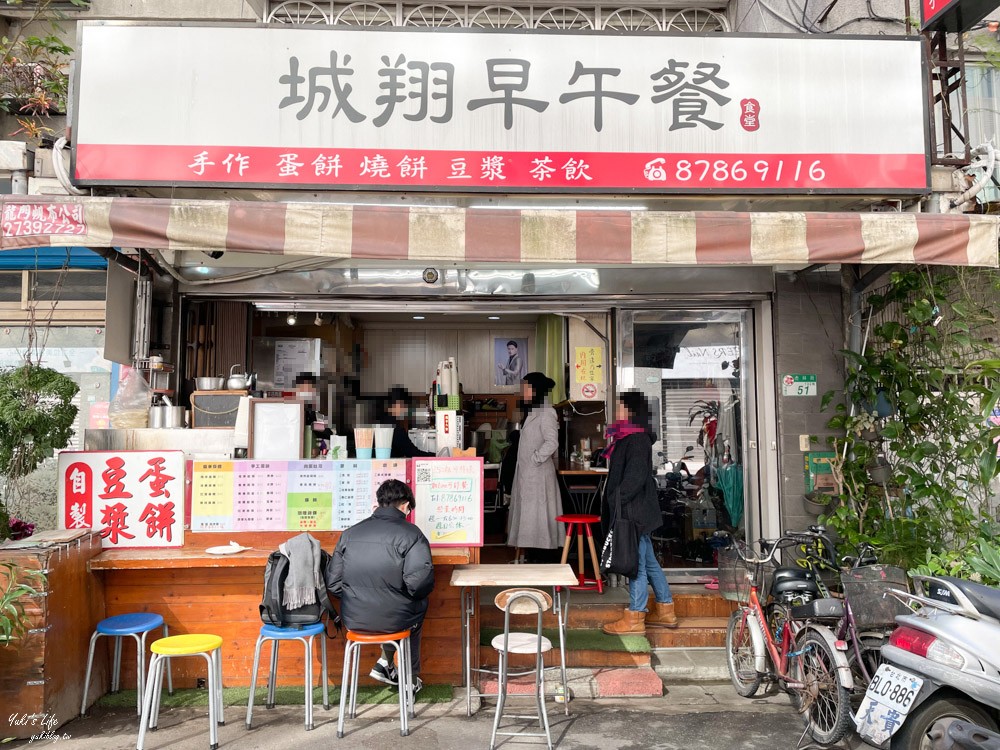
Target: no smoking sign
589 390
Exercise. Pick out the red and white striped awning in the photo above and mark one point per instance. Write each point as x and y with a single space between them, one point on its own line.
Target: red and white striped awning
477 236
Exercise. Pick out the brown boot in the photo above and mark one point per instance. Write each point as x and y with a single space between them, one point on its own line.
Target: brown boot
661 615
631 623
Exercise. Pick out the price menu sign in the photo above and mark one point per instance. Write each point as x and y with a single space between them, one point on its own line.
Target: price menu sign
449 495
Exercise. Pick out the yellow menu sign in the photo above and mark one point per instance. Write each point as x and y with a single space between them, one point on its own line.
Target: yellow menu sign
589 364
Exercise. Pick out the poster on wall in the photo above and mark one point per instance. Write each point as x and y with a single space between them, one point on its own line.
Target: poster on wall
510 357
134 498
449 497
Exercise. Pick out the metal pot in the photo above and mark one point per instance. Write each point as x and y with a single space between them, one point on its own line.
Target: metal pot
166 417
237 382
210 384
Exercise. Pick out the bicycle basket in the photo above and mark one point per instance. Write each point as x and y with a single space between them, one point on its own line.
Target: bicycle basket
866 590
735 575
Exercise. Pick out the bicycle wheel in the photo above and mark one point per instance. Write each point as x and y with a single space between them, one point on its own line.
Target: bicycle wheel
739 654
824 703
870 646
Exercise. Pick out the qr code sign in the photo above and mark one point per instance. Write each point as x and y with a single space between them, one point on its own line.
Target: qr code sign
423 474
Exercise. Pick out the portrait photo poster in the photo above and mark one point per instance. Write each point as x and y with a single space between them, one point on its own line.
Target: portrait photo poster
510 360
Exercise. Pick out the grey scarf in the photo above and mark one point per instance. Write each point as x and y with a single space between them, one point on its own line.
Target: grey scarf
302 552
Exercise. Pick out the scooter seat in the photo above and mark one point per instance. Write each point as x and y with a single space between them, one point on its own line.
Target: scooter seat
985 599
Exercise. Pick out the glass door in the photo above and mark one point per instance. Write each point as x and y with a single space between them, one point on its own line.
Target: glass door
696 369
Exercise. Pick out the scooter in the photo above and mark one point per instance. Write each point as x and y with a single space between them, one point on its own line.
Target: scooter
940 665
961 736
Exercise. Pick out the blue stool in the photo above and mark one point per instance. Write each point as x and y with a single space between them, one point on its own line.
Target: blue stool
276 635
138 625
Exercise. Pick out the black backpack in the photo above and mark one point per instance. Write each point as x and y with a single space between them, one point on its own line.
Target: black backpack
273 612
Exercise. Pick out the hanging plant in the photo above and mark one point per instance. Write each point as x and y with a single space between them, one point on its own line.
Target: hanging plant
36 419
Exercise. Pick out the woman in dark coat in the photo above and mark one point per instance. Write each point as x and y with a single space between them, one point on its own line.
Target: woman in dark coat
630 478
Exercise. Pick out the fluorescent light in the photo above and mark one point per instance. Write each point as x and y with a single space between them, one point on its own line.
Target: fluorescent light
418 317
494 317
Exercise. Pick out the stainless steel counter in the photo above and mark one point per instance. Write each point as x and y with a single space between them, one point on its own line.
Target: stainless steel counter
196 444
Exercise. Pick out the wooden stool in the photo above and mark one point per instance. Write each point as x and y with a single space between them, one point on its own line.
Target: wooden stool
352 664
582 523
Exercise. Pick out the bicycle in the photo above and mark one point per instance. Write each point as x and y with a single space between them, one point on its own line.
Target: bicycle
801 654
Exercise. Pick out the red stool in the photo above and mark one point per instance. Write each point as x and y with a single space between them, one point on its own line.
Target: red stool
582 523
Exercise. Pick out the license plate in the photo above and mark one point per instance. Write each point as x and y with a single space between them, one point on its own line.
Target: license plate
888 700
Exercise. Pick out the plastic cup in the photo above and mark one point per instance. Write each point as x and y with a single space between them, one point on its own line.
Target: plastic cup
363 441
364 452
383 442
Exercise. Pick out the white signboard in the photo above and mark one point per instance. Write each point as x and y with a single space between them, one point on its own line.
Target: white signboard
506 111
135 498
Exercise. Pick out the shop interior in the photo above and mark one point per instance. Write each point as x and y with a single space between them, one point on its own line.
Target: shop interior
689 369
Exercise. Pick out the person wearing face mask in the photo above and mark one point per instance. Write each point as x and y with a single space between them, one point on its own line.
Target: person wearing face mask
395 413
305 390
535 500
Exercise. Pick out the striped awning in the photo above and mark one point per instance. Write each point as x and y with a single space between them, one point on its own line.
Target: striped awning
546 236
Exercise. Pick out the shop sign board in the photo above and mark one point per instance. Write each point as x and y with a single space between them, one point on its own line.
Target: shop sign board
526 111
589 366
134 498
955 16
799 385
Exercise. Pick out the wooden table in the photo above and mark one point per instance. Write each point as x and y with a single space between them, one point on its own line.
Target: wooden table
471 577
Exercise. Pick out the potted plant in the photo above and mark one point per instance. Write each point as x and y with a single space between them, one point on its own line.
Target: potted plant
879 470
865 426
36 419
13 587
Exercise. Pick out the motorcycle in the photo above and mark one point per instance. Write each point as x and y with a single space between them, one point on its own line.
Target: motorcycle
957 735
941 665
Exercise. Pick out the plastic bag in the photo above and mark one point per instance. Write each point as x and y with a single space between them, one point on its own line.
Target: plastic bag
130 406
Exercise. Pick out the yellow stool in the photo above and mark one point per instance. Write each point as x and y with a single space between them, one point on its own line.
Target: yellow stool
207 646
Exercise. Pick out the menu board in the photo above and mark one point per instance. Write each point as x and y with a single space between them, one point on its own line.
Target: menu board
317 495
449 495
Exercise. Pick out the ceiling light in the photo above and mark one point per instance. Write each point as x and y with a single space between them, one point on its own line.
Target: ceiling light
319 320
418 317
291 318
494 317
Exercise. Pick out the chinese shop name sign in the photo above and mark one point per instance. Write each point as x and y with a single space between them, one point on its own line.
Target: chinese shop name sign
133 498
461 111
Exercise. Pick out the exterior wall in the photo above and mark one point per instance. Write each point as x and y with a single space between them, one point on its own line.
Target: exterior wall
847 17
78 353
808 325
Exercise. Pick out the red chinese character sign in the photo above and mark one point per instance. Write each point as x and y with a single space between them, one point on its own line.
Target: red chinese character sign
507 112
134 498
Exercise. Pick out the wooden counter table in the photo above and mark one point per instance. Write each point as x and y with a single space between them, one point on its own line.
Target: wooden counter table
201 593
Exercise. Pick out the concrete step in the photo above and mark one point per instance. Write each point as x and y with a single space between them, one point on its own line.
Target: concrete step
691 632
589 658
675 665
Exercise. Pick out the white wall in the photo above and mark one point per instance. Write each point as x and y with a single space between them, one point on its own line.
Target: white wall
408 356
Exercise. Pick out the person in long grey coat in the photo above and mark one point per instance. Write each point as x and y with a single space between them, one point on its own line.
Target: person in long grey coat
535 500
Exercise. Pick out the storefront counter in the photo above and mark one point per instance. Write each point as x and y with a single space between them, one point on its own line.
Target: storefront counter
197 592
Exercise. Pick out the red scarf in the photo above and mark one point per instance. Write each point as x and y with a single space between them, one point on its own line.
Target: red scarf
616 432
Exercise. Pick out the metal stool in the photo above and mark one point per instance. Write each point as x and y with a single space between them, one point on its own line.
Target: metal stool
522 602
276 635
207 646
138 625
582 523
352 659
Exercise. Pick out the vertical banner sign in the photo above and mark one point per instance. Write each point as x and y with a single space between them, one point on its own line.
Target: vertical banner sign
449 496
134 498
589 364
512 112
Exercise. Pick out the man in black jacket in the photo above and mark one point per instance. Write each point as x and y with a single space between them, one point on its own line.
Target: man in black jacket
382 573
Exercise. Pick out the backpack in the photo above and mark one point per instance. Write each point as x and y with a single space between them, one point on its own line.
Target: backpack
273 612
